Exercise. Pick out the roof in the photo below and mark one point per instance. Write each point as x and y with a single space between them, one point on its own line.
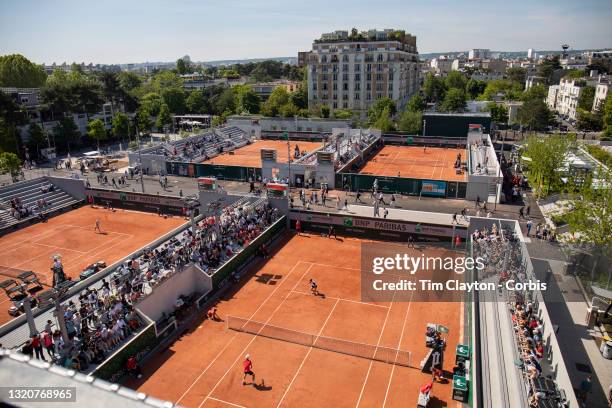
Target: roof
18 370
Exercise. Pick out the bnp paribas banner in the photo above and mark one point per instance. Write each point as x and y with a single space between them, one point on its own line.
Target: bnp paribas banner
379 224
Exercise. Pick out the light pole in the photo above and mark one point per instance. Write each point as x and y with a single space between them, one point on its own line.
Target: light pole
139 158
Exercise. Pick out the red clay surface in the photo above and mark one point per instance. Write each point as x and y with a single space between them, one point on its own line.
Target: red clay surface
432 163
204 367
72 236
250 156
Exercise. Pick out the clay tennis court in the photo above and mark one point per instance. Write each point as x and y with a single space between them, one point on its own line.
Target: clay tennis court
204 367
433 163
250 156
72 236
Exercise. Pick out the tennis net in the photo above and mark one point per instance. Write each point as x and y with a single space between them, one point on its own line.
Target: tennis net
363 350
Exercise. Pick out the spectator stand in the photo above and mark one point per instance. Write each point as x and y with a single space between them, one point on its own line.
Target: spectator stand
31 201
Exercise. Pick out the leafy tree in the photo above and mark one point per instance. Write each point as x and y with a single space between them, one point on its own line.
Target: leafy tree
384 122
164 118
152 103
588 121
539 92
411 122
510 90
10 163
36 137
72 93
534 115
279 97
300 97
434 88
143 120
111 87
548 67
16 70
225 102
247 100
325 111
343 114
66 132
415 103
547 156
197 102
454 101
128 81
455 79
120 125
590 220
517 75
174 98
475 88
183 66
166 79
499 113
586 98
607 119
8 136
288 110
96 131
377 109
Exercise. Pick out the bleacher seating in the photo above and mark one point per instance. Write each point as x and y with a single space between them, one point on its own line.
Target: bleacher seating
29 192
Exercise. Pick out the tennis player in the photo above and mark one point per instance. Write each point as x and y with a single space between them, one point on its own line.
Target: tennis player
97 227
313 287
298 227
247 365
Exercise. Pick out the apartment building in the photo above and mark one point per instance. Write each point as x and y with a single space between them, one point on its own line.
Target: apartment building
563 98
441 65
601 93
352 71
479 53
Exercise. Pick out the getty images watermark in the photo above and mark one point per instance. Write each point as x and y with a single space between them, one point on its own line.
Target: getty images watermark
436 272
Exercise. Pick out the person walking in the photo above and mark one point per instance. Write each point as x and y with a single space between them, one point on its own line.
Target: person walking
529 225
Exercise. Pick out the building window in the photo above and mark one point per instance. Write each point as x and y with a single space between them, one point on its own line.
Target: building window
379 77
345 86
335 86
314 86
369 86
335 77
335 97
345 105
390 87
357 96
380 57
335 105
379 87
345 77
391 76
379 95
325 77
325 86
345 58
369 67
357 77
345 97
324 58
369 77
345 67
358 86
369 96
357 67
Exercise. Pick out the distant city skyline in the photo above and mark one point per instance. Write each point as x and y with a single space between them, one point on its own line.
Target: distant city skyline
140 31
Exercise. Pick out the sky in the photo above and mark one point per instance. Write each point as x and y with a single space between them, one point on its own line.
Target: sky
113 31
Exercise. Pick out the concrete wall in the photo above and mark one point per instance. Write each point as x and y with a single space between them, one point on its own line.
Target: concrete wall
74 187
154 162
478 186
255 125
162 300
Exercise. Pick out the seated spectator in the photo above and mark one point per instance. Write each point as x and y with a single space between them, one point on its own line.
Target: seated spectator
133 368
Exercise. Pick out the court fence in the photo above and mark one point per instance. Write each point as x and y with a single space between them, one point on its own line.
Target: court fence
220 171
363 350
402 185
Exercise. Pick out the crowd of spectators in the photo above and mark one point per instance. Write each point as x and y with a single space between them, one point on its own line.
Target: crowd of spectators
96 323
501 252
199 148
19 210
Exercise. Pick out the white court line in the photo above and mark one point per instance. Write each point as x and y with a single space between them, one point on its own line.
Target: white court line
334 266
90 229
236 334
253 339
307 354
62 248
30 239
227 402
343 299
399 344
377 344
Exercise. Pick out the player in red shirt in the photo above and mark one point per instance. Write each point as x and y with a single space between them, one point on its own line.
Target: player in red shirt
247 366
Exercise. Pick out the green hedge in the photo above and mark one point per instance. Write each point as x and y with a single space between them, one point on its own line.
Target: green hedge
114 368
222 273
